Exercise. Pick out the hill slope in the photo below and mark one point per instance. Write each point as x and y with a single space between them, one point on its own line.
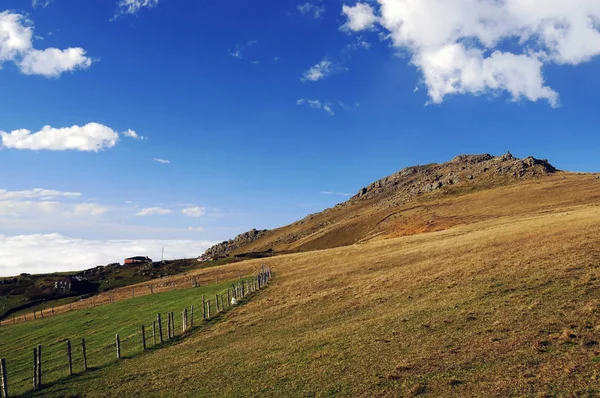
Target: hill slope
505 305
393 206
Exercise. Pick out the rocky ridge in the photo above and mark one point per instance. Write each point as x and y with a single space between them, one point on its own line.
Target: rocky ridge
224 248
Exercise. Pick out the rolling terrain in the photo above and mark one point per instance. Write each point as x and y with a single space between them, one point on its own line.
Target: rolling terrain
468 290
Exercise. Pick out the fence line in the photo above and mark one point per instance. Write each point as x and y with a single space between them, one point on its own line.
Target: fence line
59 363
108 297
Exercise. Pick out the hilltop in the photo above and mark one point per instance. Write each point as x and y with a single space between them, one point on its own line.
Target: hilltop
392 206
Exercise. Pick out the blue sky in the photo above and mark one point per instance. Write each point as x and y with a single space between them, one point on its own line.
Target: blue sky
265 111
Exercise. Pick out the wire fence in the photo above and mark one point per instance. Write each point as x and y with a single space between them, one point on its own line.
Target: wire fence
63 357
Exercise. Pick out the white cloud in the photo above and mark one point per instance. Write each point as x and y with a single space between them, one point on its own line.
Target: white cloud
309 8
163 161
16 45
486 46
321 70
194 211
237 52
316 104
132 134
36 193
89 209
54 252
52 62
91 137
132 7
41 3
360 17
154 211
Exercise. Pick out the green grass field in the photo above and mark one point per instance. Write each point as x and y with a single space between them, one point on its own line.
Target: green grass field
98 326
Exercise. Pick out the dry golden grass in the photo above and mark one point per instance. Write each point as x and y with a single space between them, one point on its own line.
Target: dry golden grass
504 303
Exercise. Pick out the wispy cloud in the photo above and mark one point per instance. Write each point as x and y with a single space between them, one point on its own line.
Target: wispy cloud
315 10
335 193
36 193
163 161
41 3
238 50
132 7
326 106
316 104
195 211
153 211
321 71
132 134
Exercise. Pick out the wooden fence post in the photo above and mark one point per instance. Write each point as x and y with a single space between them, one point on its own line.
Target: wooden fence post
207 309
228 298
118 342
143 338
4 378
70 357
160 335
35 383
203 308
169 325
216 303
192 316
172 324
84 353
184 316
153 332
39 365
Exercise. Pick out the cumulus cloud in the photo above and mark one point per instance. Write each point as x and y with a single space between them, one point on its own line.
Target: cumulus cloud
321 71
163 161
54 252
154 211
132 7
193 211
308 8
51 62
91 137
16 45
485 46
360 17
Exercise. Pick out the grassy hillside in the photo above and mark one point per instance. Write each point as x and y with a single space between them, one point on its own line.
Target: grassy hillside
98 326
503 302
27 293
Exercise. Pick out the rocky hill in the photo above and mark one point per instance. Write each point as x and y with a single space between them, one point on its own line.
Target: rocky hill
388 206
227 247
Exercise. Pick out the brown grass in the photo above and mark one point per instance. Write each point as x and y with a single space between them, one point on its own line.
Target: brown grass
505 303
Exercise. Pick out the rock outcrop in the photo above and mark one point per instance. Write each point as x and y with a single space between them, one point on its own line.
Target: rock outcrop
225 248
416 180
